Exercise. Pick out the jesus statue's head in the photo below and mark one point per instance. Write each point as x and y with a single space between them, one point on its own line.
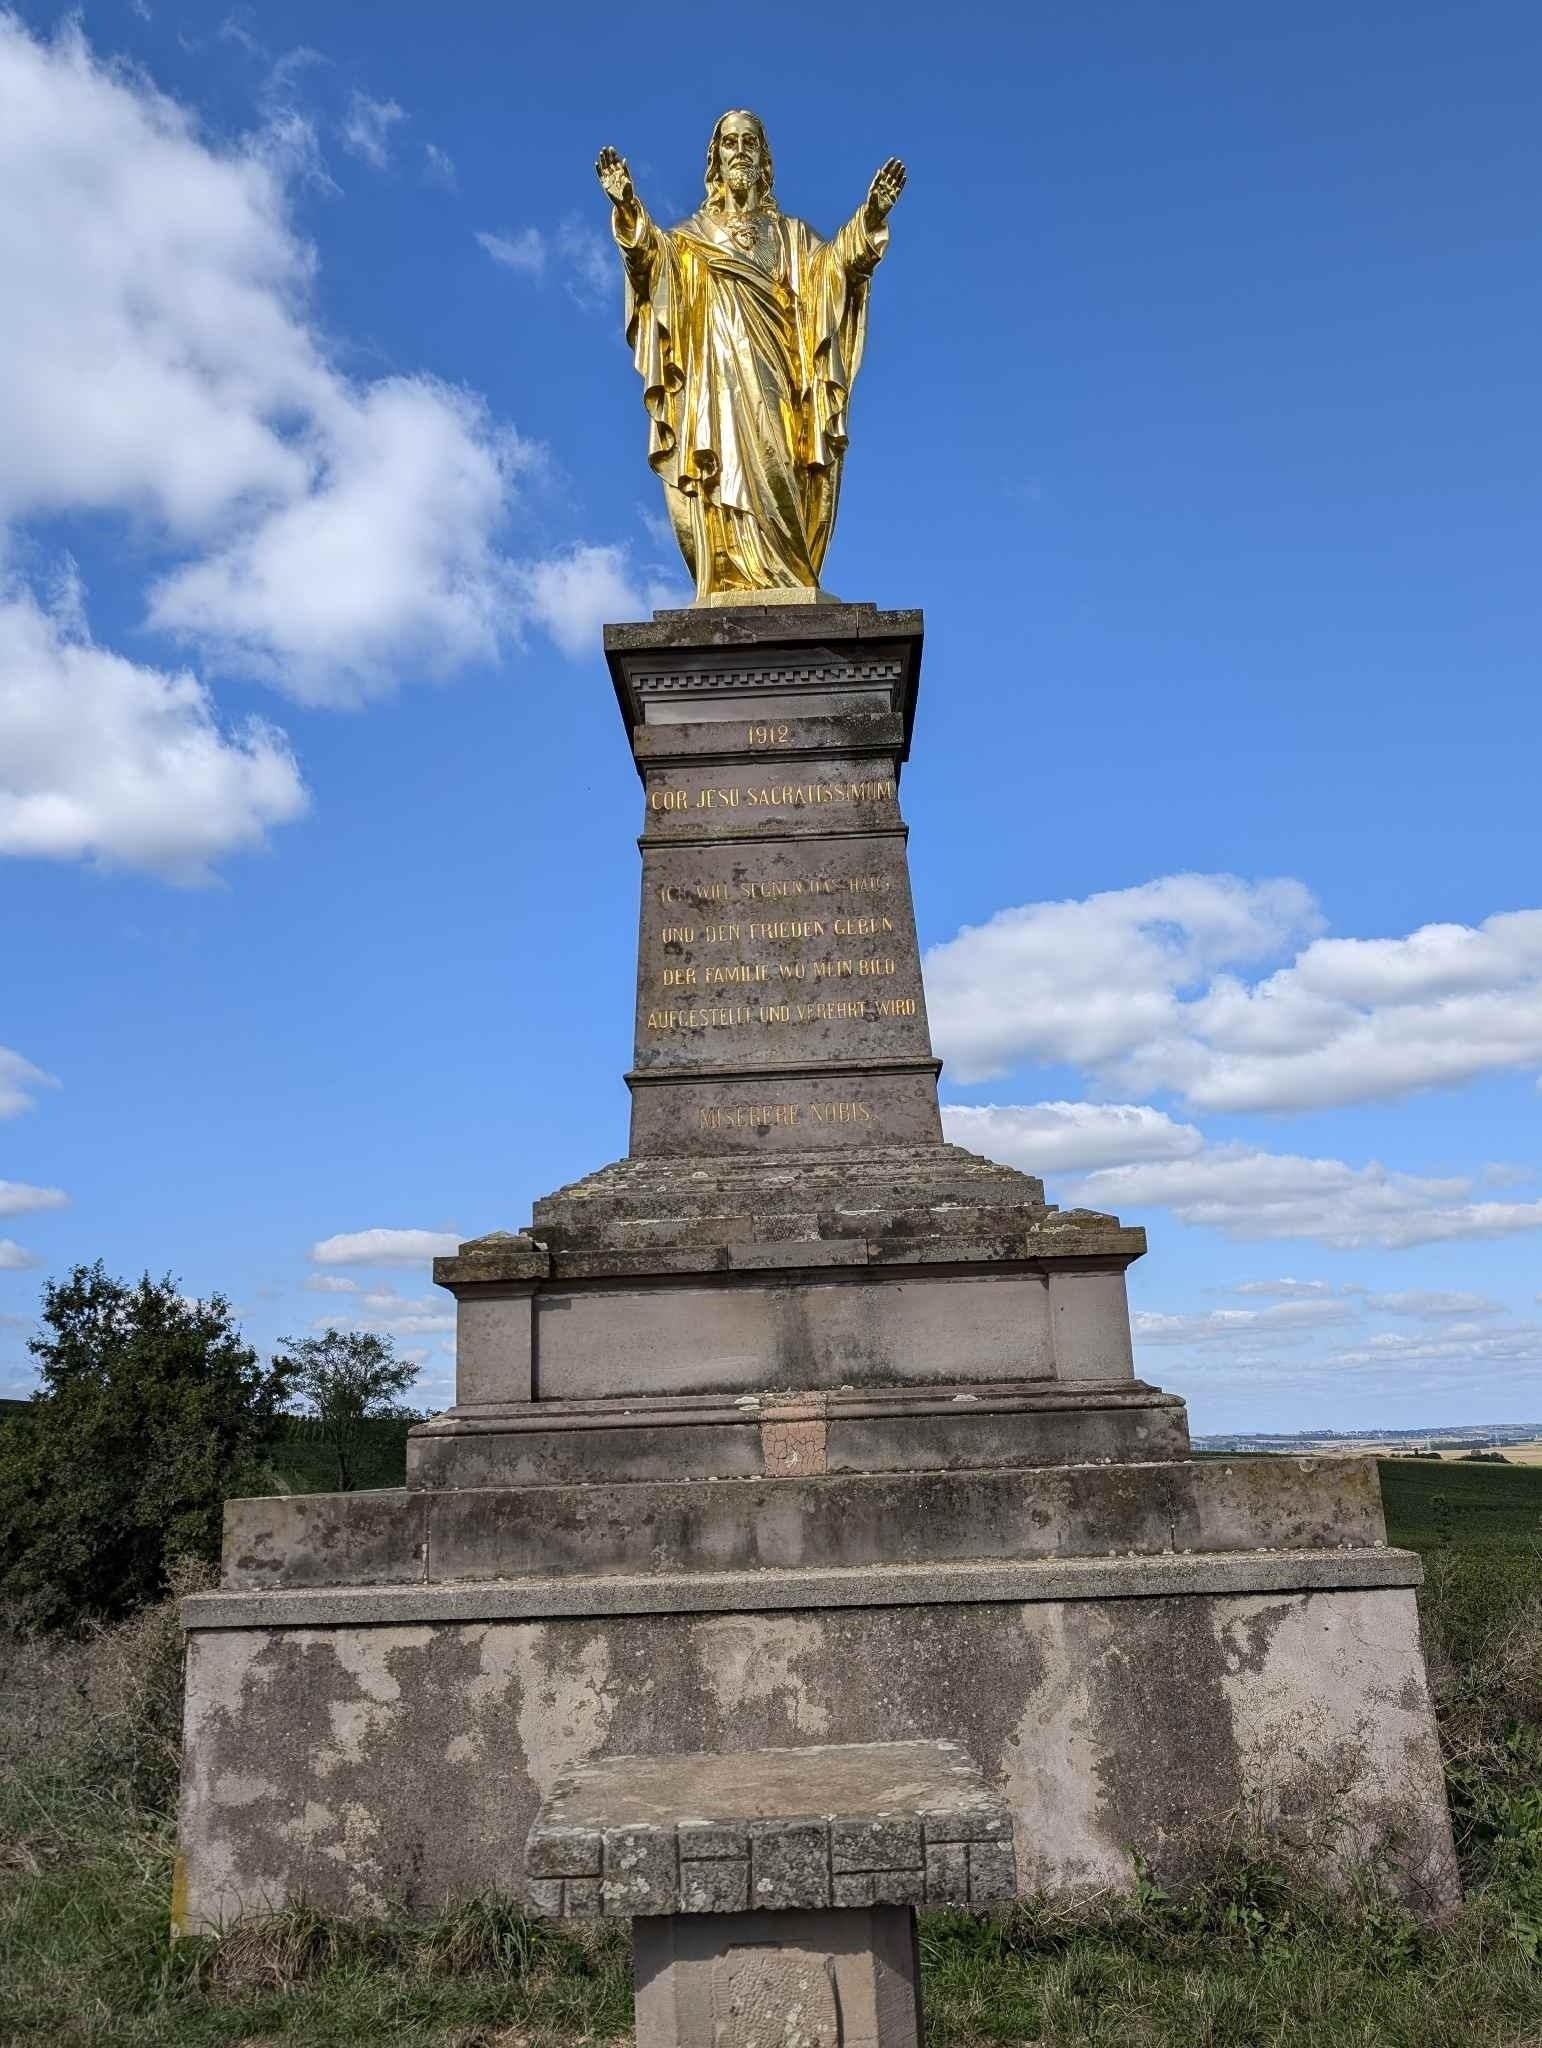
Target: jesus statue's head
739 163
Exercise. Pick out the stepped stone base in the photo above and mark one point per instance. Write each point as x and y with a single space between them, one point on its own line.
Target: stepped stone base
898 1265
926 1428
799 1426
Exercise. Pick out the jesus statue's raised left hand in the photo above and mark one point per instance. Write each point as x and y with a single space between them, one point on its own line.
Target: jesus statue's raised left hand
888 183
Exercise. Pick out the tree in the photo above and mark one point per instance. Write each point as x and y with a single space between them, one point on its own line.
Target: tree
151 1410
345 1377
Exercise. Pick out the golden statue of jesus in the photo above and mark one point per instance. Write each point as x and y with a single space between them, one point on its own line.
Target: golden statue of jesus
747 331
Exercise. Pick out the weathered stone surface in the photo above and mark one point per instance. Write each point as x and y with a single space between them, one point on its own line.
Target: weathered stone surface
779 997
838 1108
823 1331
947 1872
563 1852
883 1842
1034 1579
809 1817
720 1886
992 1873
327 1539
794 656
495 1339
496 1259
789 1865
902 1193
387 1762
641 1870
926 1427
815 1269
1269 1504
713 1838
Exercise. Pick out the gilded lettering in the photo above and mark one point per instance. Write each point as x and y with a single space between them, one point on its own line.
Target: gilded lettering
745 1116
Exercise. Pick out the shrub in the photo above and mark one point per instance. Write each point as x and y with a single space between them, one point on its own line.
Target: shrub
151 1411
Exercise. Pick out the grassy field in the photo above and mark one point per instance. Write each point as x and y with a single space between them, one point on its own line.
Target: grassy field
302 1463
88 1757
1430 1504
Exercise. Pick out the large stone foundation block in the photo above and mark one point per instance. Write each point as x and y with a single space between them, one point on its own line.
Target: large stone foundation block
389 1749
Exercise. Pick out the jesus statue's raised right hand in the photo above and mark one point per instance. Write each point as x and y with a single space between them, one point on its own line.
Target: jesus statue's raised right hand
613 174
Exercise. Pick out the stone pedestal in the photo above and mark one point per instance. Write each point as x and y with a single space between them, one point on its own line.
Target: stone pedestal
778 1980
772 1893
800 1425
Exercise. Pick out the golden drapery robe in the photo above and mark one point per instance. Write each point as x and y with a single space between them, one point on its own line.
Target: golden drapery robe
747 359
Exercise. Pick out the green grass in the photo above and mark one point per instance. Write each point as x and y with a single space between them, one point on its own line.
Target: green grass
1430 1504
1249 1960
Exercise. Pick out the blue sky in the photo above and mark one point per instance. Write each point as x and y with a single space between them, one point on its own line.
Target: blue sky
1201 416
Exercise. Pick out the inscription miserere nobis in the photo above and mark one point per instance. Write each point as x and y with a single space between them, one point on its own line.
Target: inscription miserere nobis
760 1116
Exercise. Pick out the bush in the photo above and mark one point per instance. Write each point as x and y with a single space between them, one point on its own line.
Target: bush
151 1411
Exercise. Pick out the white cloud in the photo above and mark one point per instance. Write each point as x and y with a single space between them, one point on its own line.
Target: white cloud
367 126
160 363
1430 1304
1470 1345
1069 1137
1085 983
401 1315
17 1198
331 1283
1286 1289
14 1258
1229 1325
381 1247
19 1079
439 168
1247 1193
523 250
391 1314
154 337
573 595
1500 1174
387 560
1140 989
102 758
594 278
583 257
1130 1156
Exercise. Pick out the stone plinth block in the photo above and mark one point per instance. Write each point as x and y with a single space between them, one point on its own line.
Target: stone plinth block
930 1427
820 1269
389 1746
808 1517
